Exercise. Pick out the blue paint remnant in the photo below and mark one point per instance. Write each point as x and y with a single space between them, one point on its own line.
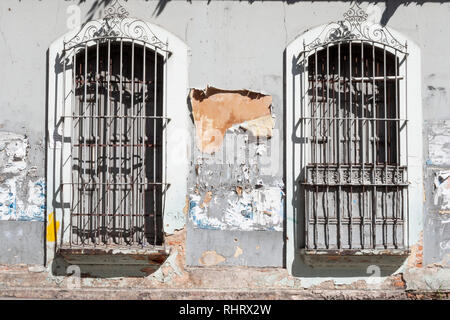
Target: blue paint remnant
23 211
200 222
13 205
429 162
247 213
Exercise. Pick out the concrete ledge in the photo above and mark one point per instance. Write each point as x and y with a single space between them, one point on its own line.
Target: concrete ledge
37 282
213 294
391 259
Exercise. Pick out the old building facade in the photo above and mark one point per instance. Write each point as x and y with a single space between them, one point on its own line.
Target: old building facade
226 144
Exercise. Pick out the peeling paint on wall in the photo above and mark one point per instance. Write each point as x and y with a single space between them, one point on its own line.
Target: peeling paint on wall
22 194
215 110
200 217
259 209
168 270
261 127
439 143
238 252
231 189
211 258
174 221
442 193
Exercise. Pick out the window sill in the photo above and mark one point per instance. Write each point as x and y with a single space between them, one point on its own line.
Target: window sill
354 257
114 255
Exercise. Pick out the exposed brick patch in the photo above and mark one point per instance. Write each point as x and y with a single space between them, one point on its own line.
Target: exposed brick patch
415 260
398 281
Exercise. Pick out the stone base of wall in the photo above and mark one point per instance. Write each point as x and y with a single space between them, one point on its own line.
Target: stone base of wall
214 294
36 282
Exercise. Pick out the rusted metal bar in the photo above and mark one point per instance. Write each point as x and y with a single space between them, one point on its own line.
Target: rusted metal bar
155 101
369 176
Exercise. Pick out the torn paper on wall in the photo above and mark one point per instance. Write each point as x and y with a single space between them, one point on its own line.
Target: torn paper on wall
215 110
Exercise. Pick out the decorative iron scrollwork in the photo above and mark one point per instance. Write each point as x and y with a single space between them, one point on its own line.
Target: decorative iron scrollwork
116 24
328 175
355 26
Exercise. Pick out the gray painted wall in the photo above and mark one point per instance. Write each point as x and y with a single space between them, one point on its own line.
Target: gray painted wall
235 45
22 242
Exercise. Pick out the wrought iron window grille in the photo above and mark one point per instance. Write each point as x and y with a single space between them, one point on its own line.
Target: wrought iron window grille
115 113
354 125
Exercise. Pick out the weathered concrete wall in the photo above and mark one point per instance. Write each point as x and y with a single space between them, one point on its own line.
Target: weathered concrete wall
239 248
22 203
234 45
22 190
22 242
437 180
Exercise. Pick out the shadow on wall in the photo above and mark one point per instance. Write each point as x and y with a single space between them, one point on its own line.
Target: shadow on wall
391 6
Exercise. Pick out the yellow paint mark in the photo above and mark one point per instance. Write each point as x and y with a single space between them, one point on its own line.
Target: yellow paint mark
52 227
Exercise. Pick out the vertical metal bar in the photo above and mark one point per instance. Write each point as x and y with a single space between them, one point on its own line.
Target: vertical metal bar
155 99
97 136
316 160
63 124
144 141
108 143
322 119
122 188
397 132
137 129
74 101
326 143
133 142
350 144
316 89
362 140
91 206
166 74
85 198
385 121
72 113
374 150
305 88
406 146
340 198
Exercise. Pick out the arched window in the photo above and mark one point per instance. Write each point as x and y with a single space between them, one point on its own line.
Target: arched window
349 125
111 173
